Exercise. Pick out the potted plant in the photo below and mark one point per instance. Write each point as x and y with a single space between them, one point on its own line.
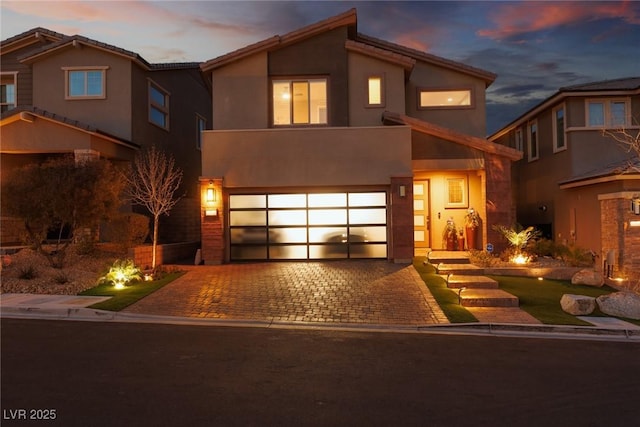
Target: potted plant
471 225
449 235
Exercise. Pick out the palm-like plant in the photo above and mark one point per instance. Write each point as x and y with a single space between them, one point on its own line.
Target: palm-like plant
517 236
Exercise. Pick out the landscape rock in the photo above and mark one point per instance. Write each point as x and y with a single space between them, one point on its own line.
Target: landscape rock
621 304
578 305
588 277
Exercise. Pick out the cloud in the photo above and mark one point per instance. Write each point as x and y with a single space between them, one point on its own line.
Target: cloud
513 20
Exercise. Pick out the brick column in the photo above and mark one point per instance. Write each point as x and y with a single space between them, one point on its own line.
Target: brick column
500 204
212 222
401 245
619 234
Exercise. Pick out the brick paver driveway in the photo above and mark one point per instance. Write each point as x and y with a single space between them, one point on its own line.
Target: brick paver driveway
362 292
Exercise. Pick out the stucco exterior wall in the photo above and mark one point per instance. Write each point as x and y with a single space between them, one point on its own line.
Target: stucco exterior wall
362 67
241 94
111 114
471 121
307 157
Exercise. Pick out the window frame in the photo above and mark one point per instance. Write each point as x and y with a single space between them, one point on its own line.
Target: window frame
607 119
200 120
519 140
530 125
7 76
382 102
85 69
554 125
463 184
291 81
152 105
420 90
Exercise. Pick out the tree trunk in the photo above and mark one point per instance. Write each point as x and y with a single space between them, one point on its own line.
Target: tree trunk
156 219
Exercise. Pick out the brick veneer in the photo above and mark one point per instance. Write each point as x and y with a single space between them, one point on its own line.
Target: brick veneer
165 254
401 244
500 206
213 244
618 235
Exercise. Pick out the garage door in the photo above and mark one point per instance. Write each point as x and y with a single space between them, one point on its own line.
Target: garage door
308 226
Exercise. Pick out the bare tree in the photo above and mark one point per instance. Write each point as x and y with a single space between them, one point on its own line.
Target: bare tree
629 140
153 180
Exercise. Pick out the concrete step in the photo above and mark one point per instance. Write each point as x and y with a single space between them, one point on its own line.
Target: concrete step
448 257
468 269
468 281
487 298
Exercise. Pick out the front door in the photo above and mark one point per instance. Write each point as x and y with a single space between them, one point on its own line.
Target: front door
421 220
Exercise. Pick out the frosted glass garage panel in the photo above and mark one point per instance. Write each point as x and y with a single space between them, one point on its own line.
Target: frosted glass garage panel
328 200
248 252
248 235
367 216
368 251
288 252
241 201
294 217
287 201
367 199
328 251
368 234
327 216
289 235
326 234
247 218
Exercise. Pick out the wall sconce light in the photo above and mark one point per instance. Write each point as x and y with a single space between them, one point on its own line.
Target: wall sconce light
403 191
635 206
211 195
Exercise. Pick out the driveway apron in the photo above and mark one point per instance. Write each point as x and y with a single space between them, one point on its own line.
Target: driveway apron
353 292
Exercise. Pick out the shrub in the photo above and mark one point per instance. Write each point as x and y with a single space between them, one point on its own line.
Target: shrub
28 272
127 230
121 273
517 236
578 257
481 258
61 278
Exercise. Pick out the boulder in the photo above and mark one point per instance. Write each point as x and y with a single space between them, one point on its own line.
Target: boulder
578 305
621 304
588 277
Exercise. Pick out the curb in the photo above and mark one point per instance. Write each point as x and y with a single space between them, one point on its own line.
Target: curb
486 329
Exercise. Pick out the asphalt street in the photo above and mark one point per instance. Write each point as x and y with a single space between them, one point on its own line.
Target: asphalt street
126 374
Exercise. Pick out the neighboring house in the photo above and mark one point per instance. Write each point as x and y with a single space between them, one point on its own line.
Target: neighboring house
575 182
73 95
331 144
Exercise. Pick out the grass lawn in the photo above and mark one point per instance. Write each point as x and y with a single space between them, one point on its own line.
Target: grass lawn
540 298
447 300
122 298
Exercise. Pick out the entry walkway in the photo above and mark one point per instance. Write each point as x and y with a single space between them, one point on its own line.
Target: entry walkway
351 292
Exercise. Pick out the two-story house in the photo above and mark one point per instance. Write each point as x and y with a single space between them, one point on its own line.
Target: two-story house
575 182
73 95
327 143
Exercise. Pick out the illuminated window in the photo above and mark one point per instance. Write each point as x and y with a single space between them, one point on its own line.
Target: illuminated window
558 129
158 106
375 91
532 137
85 82
445 98
456 193
613 113
8 92
201 125
299 102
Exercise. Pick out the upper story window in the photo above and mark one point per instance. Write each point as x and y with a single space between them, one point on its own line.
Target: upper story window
375 91
158 105
559 124
7 91
519 140
532 136
201 125
610 113
444 98
299 102
85 82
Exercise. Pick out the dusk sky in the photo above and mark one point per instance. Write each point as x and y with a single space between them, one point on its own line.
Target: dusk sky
534 47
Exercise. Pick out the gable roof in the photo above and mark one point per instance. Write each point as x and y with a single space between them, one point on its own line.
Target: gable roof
622 86
28 38
381 49
346 18
452 136
626 169
30 112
